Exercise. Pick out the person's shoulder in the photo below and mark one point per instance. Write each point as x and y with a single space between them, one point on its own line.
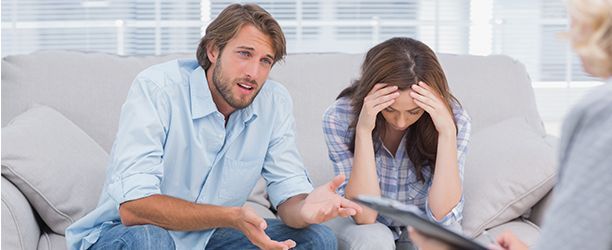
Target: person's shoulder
272 87
272 96
273 93
597 103
340 105
173 72
340 110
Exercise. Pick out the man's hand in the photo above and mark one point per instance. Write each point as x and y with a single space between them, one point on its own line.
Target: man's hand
324 203
253 226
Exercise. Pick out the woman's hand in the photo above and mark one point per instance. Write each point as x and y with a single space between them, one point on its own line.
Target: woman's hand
509 241
380 97
427 98
423 242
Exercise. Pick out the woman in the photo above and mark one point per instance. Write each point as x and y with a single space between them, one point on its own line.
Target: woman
579 216
398 132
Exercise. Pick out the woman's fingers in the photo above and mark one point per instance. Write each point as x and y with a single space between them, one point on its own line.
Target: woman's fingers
418 98
379 97
383 105
424 91
385 98
377 87
428 99
424 85
382 96
384 91
425 95
429 109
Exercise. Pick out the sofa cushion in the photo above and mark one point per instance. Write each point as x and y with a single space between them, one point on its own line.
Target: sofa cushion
259 195
313 87
51 241
74 83
260 210
509 169
482 82
523 229
58 167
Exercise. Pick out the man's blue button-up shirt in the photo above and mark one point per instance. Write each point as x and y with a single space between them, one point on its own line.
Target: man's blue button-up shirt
172 140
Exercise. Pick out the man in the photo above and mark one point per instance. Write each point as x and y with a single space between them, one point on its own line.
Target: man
193 139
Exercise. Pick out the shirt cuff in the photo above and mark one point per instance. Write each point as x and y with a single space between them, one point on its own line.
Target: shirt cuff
133 187
279 192
452 218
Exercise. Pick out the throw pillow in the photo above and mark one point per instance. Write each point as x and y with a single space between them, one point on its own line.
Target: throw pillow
509 168
58 168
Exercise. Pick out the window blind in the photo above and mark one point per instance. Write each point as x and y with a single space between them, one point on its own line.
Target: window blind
524 29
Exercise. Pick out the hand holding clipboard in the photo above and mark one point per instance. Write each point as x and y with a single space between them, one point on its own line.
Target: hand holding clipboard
410 215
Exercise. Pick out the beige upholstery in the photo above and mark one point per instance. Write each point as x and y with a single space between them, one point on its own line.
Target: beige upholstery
89 89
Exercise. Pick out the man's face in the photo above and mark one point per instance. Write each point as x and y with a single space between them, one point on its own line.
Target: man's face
242 67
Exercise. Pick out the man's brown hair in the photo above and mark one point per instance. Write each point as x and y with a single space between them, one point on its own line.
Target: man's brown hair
230 21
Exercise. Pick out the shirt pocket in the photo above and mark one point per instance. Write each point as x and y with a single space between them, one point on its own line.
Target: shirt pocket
238 178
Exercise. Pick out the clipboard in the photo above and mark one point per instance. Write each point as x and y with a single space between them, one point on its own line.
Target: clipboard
412 216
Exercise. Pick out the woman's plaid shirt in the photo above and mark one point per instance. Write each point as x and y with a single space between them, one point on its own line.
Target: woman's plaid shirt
396 174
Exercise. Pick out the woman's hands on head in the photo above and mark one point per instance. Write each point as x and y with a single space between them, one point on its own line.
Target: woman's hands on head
380 97
429 100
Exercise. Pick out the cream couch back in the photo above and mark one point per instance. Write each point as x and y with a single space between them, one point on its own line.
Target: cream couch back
89 89
504 176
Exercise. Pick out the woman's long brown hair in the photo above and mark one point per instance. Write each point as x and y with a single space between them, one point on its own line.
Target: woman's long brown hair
402 62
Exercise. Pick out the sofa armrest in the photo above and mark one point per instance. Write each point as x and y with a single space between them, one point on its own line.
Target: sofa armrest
552 141
538 211
525 230
20 229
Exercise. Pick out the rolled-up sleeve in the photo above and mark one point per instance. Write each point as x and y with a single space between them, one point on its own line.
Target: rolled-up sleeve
453 218
463 121
136 165
283 167
335 131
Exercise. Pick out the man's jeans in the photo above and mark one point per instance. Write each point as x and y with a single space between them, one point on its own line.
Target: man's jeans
119 236
153 237
312 237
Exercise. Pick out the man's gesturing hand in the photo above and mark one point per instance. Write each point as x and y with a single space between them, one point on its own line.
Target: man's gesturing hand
253 226
324 203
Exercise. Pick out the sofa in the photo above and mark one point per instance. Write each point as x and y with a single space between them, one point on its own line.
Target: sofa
60 112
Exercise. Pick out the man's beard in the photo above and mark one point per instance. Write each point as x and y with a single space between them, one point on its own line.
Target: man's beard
224 88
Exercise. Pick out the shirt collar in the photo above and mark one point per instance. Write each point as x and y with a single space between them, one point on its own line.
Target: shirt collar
202 103
247 114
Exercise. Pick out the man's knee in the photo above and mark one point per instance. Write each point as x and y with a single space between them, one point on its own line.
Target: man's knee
322 237
150 237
